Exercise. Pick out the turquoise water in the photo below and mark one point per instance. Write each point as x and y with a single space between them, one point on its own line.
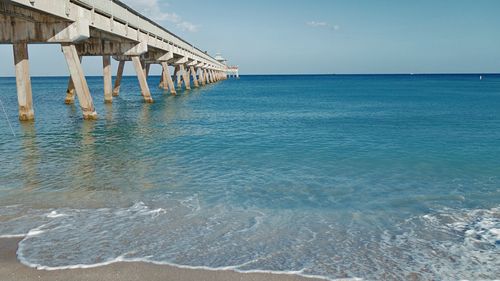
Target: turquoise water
375 177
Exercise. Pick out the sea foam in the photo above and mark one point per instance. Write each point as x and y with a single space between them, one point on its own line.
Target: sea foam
465 243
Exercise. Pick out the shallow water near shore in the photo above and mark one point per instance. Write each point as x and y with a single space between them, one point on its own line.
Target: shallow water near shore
392 177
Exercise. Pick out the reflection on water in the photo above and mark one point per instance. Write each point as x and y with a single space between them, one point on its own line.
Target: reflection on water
31 157
109 112
86 159
144 117
345 176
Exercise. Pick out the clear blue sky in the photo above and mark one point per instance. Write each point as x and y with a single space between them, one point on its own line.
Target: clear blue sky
320 36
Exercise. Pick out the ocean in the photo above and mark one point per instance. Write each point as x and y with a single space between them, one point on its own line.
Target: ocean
377 177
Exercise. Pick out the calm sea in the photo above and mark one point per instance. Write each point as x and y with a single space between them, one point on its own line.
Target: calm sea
376 177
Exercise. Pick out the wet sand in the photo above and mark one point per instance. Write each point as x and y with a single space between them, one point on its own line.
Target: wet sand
12 270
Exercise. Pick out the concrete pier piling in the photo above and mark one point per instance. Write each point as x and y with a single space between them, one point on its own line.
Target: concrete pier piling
193 74
79 82
108 80
207 80
141 76
107 29
167 78
118 80
146 68
185 77
70 93
23 81
203 75
177 76
211 76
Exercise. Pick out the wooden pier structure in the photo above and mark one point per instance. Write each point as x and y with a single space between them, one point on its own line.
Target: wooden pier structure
106 28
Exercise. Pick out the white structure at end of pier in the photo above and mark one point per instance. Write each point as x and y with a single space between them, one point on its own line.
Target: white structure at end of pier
231 71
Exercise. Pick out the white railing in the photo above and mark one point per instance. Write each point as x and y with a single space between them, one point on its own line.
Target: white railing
121 12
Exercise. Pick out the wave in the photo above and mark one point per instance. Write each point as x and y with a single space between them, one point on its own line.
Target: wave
121 259
449 244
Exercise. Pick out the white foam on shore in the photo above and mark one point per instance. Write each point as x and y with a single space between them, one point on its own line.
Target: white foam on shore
142 209
122 259
479 230
31 233
7 236
36 231
157 212
54 215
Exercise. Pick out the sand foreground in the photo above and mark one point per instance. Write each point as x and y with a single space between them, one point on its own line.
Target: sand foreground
12 270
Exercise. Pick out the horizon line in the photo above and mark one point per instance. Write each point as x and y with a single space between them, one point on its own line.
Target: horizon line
304 74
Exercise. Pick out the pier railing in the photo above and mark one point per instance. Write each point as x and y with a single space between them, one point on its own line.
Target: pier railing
115 17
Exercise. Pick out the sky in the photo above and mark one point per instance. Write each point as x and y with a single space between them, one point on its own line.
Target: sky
317 36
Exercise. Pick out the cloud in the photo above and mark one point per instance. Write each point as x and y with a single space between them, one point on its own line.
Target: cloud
187 26
154 10
322 24
317 23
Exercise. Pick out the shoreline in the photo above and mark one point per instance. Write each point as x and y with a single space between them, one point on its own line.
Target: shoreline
11 269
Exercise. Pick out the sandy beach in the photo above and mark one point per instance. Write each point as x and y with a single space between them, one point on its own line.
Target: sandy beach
12 270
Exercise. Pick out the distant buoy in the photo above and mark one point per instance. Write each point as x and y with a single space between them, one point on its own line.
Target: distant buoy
480 77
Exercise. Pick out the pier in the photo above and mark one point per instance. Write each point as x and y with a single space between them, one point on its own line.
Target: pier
105 28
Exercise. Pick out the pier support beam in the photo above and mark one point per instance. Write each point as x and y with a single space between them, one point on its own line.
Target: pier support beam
108 80
141 76
200 76
210 76
167 79
79 81
118 81
70 92
193 74
205 71
23 82
177 76
146 68
163 82
185 77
